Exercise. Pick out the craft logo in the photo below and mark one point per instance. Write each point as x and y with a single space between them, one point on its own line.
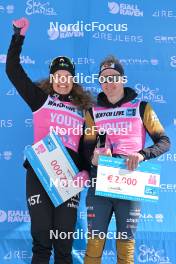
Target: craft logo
148 94
165 39
152 255
14 216
124 9
38 8
168 187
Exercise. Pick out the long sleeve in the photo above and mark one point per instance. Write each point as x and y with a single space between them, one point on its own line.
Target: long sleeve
156 132
32 94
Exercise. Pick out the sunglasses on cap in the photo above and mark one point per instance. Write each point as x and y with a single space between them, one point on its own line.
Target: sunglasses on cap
109 78
63 61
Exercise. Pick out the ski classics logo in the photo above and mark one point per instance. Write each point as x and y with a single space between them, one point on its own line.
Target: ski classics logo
152 255
124 9
28 122
149 94
36 7
173 61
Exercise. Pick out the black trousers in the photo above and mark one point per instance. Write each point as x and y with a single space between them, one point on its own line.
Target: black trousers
50 227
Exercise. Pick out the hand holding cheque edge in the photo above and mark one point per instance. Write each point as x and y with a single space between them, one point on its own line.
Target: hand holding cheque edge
131 161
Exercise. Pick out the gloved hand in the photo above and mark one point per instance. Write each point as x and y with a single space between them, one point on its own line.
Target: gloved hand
21 25
102 152
81 178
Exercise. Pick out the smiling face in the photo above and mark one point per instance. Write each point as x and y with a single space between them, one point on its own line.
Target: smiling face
113 90
62 82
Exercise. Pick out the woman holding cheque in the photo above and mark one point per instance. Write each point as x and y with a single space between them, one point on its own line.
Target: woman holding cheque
119 109
46 102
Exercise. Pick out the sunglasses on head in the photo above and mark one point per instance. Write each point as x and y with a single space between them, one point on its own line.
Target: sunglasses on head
109 79
64 62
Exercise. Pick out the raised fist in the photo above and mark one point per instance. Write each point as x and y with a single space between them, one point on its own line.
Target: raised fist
21 25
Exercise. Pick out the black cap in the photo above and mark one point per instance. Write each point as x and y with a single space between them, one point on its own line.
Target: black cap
62 63
116 66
